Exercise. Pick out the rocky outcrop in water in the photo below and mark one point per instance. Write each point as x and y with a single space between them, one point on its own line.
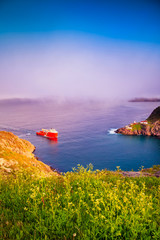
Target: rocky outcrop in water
149 127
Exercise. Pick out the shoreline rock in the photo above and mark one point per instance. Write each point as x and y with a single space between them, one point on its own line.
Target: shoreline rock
144 173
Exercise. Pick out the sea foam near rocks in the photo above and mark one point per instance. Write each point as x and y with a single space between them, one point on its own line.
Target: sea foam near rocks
112 131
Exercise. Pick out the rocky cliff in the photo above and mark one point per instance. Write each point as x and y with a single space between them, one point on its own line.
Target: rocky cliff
16 155
149 127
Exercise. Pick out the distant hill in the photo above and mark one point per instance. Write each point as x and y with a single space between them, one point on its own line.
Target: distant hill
145 100
155 115
19 101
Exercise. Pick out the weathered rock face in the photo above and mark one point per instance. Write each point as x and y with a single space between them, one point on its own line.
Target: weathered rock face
146 130
155 130
152 128
15 144
17 155
126 131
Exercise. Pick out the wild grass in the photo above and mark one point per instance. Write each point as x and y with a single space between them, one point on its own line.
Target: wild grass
83 204
137 127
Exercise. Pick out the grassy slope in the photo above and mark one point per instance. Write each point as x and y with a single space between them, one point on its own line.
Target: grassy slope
16 155
137 127
155 115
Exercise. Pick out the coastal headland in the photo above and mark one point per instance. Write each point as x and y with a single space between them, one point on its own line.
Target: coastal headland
148 127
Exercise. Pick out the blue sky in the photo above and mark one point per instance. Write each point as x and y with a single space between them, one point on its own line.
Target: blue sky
137 20
111 43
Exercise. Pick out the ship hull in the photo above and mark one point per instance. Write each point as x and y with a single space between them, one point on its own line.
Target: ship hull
49 135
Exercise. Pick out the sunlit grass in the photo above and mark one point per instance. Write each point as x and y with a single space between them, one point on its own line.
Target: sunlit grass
83 204
137 127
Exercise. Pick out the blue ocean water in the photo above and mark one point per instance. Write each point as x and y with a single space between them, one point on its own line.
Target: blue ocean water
85 133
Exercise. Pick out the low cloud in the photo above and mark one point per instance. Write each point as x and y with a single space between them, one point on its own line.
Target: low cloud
78 66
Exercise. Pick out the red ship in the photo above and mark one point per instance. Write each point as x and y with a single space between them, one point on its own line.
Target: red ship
51 133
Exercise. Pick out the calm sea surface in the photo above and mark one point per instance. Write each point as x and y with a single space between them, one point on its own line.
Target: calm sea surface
85 133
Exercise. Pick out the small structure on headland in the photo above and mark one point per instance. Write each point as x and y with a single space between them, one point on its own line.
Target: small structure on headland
144 122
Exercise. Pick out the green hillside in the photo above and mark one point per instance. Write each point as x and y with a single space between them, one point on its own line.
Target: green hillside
155 115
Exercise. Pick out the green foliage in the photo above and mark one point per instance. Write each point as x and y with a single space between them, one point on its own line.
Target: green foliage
155 115
83 204
137 127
